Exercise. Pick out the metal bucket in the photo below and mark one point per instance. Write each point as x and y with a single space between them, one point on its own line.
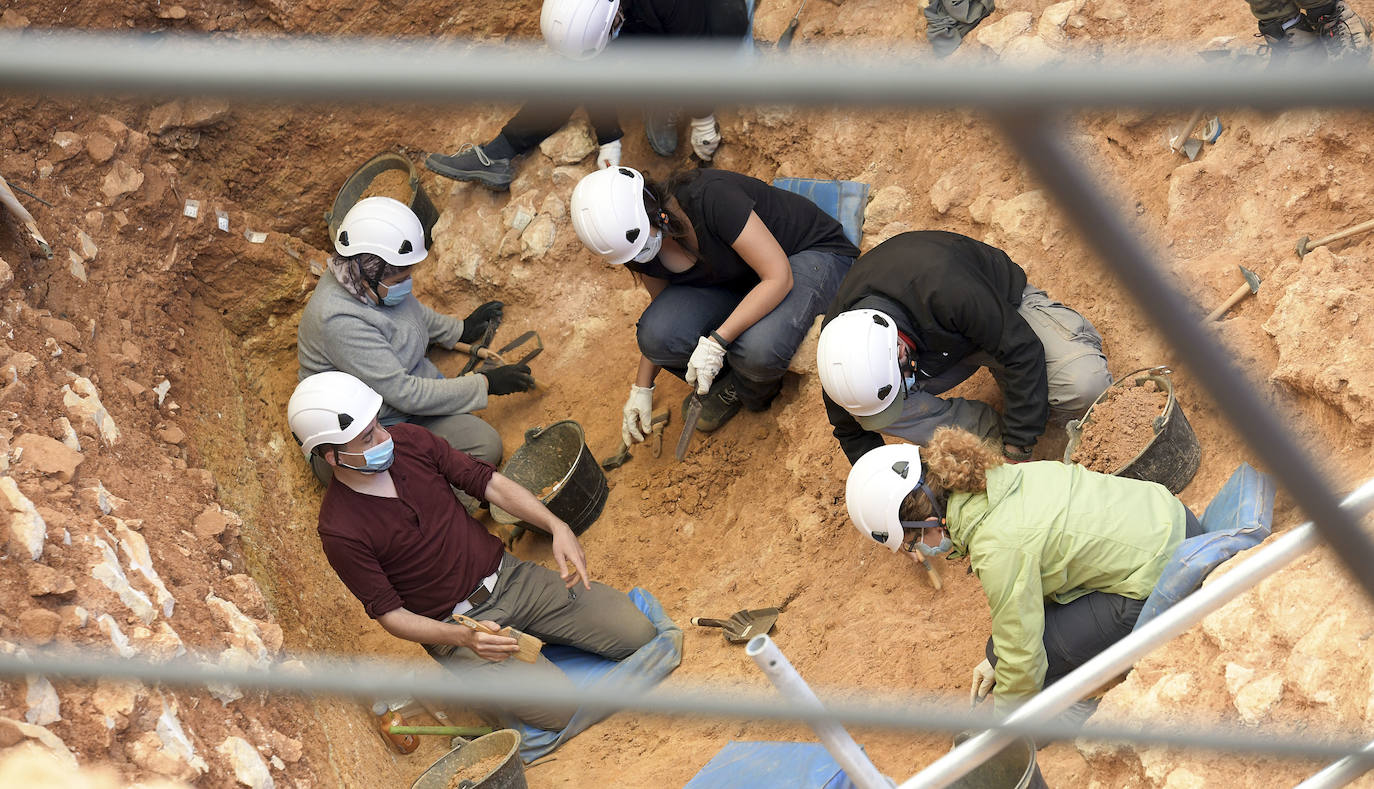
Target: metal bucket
362 178
556 466
1013 767
1172 456
509 774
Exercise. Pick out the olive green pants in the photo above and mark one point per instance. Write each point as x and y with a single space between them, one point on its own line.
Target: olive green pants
533 599
1265 10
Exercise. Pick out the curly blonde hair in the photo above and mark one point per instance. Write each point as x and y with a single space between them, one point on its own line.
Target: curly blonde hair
954 460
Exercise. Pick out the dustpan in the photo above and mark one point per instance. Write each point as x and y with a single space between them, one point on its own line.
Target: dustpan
743 625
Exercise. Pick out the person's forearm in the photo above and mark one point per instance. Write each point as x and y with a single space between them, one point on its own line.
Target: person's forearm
648 371
756 303
421 629
513 498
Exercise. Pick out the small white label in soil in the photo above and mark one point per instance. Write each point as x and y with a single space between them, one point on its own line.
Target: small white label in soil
192 208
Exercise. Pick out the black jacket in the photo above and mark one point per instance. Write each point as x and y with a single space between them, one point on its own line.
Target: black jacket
959 296
685 18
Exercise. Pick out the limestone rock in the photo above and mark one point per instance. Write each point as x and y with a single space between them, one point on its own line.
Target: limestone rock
519 212
553 207
101 148
244 632
23 363
1057 15
43 705
82 401
1110 10
27 529
162 646
212 522
246 594
115 701
171 12
997 35
1257 698
538 238
191 114
62 330
121 180
569 145
170 433
44 580
138 558
69 438
111 629
6 274
100 498
13 20
48 456
888 204
75 266
51 741
566 176
246 762
39 626
1024 217
65 145
108 572
1030 51
290 750
952 189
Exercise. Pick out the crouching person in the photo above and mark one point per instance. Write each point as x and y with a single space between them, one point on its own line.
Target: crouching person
408 550
1066 556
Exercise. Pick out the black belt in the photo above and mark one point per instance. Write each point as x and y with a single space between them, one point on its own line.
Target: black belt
479 597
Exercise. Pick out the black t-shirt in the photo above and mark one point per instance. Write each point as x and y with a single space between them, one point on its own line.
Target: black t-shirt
717 204
685 18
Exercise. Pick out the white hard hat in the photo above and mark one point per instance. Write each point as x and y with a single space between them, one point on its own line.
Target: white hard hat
385 228
608 213
330 408
578 29
875 489
856 358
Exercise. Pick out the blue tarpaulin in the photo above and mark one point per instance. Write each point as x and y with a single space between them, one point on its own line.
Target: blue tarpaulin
645 668
762 765
843 200
1238 518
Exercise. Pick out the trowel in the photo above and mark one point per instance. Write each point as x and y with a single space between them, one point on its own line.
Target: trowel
689 425
742 625
1185 143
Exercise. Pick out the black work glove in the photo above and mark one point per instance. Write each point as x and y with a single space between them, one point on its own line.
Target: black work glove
509 379
1015 454
475 325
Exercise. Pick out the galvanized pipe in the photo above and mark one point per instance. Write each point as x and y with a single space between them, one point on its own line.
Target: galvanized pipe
1342 772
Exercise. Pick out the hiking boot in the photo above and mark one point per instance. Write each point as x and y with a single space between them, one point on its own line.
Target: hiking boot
1344 33
717 405
660 126
1292 37
471 163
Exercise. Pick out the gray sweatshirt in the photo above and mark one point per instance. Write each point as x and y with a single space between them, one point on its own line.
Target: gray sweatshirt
384 347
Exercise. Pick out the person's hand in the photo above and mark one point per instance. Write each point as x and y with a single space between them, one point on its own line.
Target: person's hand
509 379
638 415
1015 454
608 156
489 646
705 364
705 137
475 325
983 680
567 551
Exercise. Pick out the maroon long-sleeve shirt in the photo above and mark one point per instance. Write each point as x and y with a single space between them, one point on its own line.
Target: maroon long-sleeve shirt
421 550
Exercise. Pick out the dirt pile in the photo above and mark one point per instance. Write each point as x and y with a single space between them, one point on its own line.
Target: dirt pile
1120 426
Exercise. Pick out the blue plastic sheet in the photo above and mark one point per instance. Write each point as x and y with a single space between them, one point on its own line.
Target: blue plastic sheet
645 668
763 765
1239 517
843 200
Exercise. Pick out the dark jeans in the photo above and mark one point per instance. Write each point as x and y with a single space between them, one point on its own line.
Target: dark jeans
1077 632
533 123
673 323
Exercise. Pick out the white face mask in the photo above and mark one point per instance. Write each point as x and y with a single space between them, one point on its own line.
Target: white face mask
651 247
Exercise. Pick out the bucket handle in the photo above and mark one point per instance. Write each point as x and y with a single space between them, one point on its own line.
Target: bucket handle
533 433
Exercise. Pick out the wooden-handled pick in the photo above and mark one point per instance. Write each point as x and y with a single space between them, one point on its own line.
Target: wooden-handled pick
529 645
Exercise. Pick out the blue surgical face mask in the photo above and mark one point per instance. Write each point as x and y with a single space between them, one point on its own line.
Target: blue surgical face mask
397 293
946 545
651 247
378 458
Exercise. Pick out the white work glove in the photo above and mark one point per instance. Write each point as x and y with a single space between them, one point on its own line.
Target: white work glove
983 680
639 414
705 137
705 364
608 156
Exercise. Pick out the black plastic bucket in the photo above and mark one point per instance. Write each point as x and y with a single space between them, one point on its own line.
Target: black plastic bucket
362 178
1172 456
556 466
509 774
1013 767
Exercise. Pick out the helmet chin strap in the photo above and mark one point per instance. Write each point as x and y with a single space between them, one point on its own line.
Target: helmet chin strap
921 526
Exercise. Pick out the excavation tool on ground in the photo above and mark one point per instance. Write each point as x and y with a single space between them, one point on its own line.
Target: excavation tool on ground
1185 143
529 645
9 201
742 625
689 425
656 431
466 732
481 357
1250 285
931 573
1306 245
785 40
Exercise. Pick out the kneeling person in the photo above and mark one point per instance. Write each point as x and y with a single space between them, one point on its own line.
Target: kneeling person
408 550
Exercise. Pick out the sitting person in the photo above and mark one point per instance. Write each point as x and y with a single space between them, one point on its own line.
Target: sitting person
403 545
736 271
1066 556
1312 30
920 313
362 319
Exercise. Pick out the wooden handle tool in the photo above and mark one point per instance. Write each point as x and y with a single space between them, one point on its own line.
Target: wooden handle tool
529 645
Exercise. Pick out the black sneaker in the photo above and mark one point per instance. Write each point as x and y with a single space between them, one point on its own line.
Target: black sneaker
471 163
717 405
660 126
1344 33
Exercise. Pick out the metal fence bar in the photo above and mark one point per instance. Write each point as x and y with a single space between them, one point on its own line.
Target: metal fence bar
1342 772
355 69
1120 656
371 680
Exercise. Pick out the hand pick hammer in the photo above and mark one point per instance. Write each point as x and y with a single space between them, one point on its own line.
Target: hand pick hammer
1306 244
1251 285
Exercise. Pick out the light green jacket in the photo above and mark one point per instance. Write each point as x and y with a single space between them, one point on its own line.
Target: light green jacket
1053 531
